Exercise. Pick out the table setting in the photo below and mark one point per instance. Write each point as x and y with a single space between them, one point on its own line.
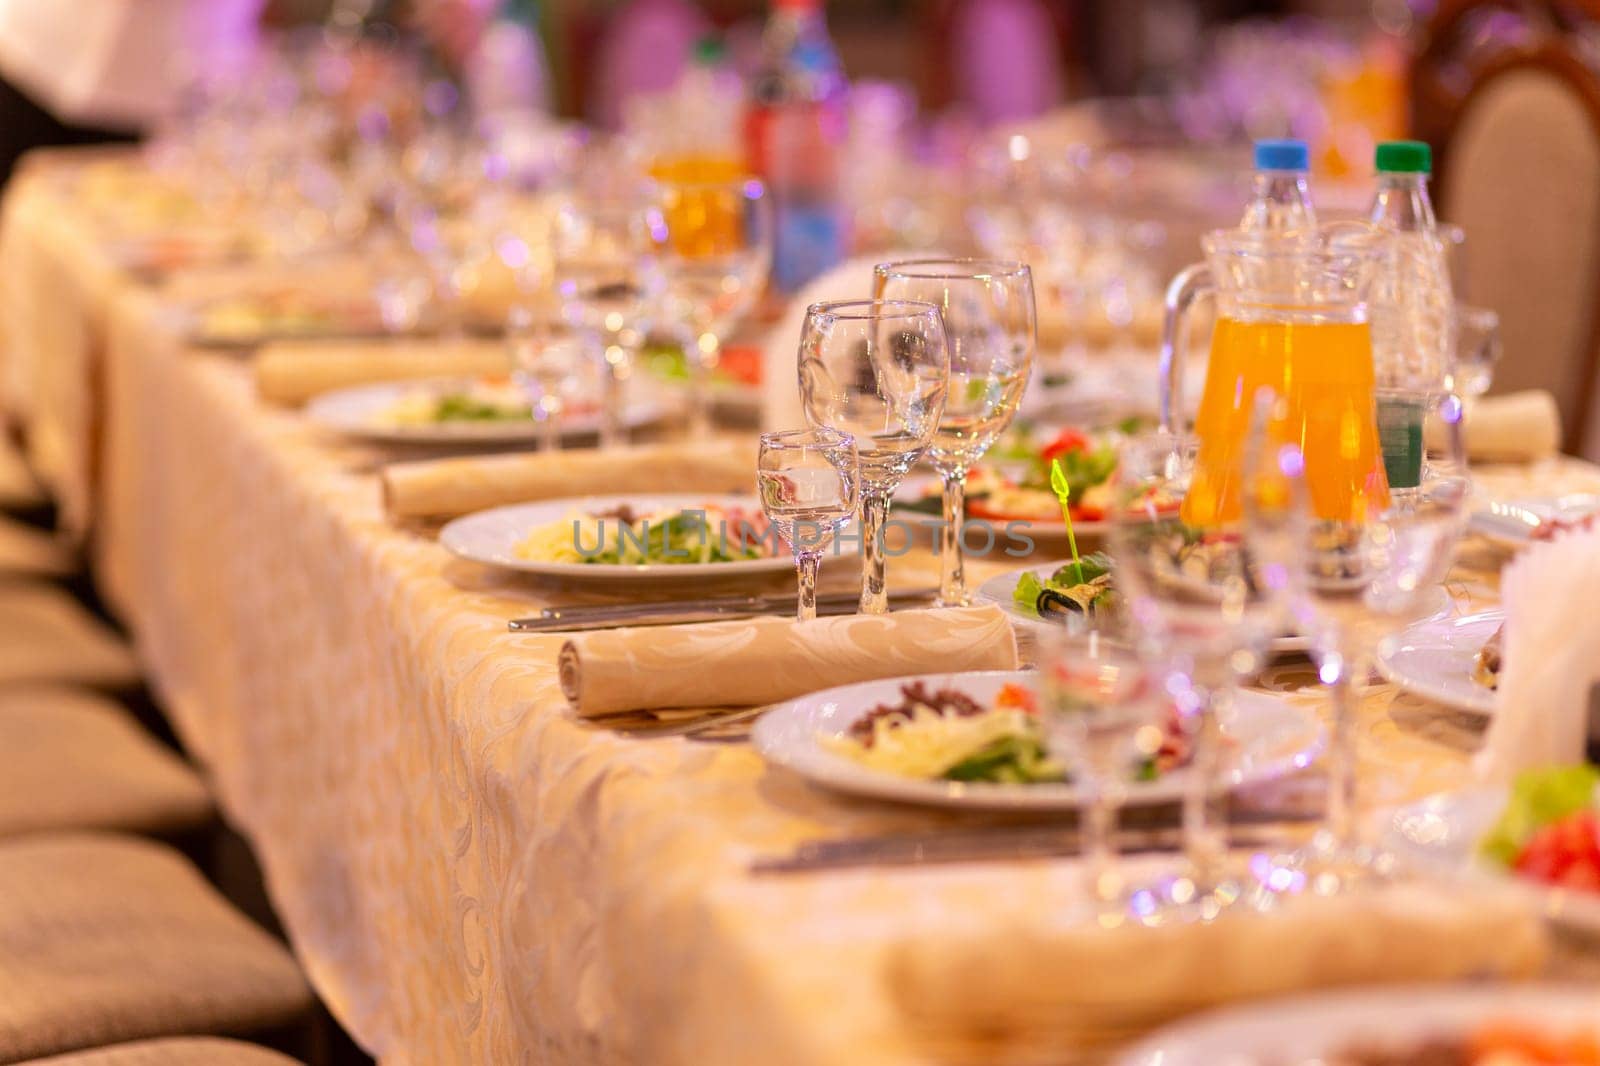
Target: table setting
1057 671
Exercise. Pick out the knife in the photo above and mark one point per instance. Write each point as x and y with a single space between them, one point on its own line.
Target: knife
677 612
992 845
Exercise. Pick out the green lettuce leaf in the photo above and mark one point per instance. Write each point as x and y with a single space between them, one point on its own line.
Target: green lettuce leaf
1538 797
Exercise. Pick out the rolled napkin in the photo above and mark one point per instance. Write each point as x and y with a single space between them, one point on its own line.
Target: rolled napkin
1550 657
447 488
1515 428
290 373
1087 984
762 660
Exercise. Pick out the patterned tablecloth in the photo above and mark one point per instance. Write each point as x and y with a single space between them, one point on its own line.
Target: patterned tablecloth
469 874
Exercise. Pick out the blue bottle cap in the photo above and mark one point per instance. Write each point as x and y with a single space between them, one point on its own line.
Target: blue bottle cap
1282 155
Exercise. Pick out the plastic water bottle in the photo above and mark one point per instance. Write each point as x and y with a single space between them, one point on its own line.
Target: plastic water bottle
1280 202
794 137
1410 307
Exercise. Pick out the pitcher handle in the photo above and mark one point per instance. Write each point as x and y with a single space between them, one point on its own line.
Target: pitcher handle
1191 282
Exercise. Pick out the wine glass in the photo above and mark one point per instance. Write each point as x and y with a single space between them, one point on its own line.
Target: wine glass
1348 580
1193 608
990 328
878 371
1098 712
605 248
809 481
715 262
1477 350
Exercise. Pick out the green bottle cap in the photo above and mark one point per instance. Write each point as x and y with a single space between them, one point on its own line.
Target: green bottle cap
1405 157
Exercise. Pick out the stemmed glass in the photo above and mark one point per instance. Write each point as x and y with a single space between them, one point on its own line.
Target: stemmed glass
606 244
1098 711
990 328
1476 348
877 370
1346 582
809 482
715 262
1194 610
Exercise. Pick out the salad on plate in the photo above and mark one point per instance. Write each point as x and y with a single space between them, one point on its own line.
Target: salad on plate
945 734
1549 831
483 399
1013 481
622 536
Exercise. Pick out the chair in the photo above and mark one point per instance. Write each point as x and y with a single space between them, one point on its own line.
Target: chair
1515 116
73 759
182 1051
47 636
106 939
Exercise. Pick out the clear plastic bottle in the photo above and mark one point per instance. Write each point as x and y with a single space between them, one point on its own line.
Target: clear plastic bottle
1280 201
1411 305
794 138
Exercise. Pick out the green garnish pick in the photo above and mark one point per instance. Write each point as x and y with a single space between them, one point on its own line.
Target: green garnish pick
1063 491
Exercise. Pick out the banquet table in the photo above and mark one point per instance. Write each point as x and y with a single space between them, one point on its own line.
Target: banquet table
468 873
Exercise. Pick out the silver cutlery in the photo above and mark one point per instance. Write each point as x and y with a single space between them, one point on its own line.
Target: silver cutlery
991 844
678 612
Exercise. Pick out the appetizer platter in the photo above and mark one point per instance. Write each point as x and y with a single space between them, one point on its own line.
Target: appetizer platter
1410 1025
1542 833
1453 661
1012 485
1513 524
457 411
282 312
973 741
734 383
624 538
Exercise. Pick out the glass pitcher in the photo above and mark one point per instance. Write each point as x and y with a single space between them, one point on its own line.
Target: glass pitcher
1291 316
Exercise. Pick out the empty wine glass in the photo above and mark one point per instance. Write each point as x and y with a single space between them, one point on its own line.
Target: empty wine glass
878 371
1477 350
1347 581
990 328
558 371
1193 607
1099 711
715 262
809 483
605 248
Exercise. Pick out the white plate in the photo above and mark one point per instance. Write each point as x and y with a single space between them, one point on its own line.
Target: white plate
360 411
491 537
1271 738
1441 833
1434 659
998 590
1302 1030
1510 523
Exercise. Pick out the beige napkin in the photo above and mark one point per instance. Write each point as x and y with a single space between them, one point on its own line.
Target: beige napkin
446 488
292 372
1514 428
1036 975
761 660
1550 657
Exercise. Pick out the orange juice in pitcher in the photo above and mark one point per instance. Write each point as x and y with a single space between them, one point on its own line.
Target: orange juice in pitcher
1323 374
1291 319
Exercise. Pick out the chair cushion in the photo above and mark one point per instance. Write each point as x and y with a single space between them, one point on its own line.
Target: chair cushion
71 759
46 635
29 551
183 1051
107 938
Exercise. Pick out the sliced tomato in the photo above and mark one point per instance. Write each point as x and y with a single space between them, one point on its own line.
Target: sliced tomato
1068 440
1017 697
742 363
1565 853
